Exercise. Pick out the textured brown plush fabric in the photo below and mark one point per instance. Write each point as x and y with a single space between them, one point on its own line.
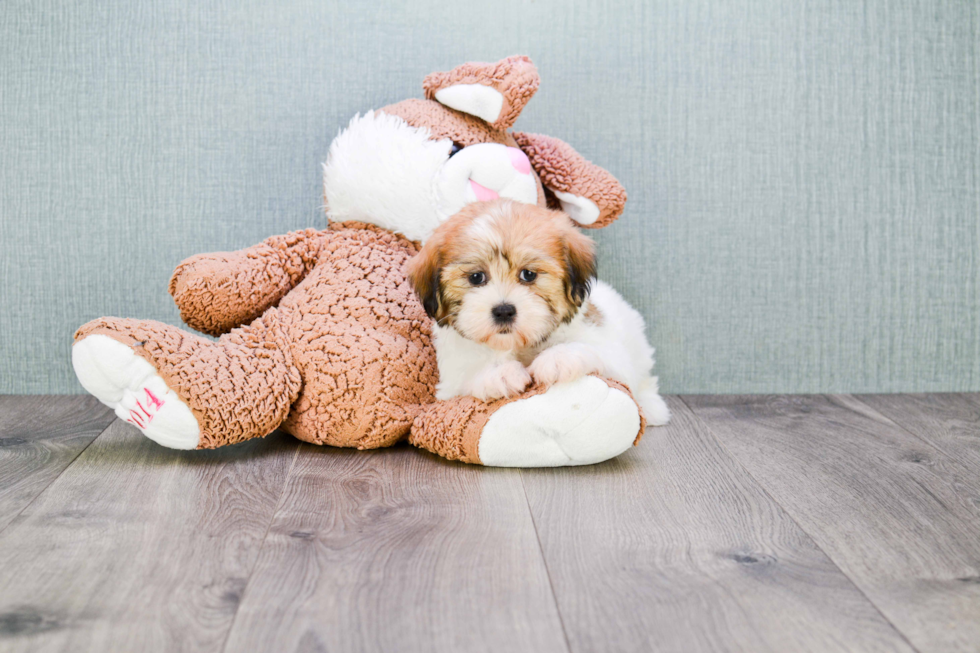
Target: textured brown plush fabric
515 78
452 428
443 122
563 169
346 354
238 388
219 291
612 383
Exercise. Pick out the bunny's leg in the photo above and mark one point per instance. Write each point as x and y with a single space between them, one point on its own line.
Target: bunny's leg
582 422
184 391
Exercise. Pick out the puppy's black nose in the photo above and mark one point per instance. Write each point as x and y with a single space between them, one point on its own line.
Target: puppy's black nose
503 313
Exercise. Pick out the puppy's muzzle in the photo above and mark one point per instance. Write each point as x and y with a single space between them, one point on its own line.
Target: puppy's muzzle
503 313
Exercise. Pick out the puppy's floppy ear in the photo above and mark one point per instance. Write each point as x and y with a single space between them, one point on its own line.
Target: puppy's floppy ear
423 274
580 264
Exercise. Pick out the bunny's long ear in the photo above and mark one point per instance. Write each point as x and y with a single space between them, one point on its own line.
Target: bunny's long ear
591 196
494 92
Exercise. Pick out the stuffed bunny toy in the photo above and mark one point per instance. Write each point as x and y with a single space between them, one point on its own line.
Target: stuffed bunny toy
321 335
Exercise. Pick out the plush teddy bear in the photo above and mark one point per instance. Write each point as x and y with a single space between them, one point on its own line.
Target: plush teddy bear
322 335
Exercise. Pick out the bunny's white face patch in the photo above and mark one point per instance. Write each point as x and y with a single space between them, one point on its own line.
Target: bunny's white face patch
482 172
385 172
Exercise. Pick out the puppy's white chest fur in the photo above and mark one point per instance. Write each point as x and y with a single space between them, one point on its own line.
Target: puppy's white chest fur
606 336
461 360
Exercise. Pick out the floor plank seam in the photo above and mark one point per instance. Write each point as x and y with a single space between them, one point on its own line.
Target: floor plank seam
544 561
258 554
792 517
894 423
55 479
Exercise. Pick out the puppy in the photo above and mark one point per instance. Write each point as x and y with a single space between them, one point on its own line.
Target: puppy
508 287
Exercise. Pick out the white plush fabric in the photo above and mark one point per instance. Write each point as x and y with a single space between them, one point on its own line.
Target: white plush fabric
128 384
382 171
580 209
491 166
577 423
475 99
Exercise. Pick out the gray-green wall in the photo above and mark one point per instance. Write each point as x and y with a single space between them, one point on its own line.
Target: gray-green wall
804 177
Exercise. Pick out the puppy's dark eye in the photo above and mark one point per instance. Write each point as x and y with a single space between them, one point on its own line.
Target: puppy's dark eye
477 278
456 148
527 276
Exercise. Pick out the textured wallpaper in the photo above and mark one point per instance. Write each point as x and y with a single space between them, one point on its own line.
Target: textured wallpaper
804 178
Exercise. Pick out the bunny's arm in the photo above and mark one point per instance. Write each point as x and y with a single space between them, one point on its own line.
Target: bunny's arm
219 291
590 195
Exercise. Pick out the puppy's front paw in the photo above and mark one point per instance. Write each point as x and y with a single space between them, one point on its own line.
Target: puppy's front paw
564 363
501 381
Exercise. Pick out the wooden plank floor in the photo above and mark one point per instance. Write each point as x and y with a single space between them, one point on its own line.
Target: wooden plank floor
750 523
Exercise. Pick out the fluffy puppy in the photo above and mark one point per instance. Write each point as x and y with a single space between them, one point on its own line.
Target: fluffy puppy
508 286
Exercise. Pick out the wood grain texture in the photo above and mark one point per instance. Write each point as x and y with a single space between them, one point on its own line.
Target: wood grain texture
673 547
750 523
139 548
397 550
39 437
950 422
892 511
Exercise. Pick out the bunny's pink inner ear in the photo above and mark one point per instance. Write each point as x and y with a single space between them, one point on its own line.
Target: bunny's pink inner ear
493 92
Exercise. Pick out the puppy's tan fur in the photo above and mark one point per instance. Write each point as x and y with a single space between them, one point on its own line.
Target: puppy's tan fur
500 239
